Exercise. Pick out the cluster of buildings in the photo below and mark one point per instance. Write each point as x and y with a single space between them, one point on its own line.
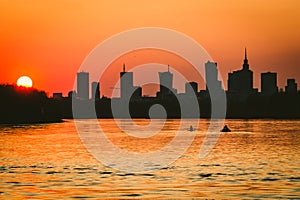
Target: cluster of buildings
83 87
239 82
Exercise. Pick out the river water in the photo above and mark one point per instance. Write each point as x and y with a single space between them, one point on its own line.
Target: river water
258 159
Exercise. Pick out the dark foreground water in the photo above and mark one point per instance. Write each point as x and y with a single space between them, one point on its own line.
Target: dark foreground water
259 159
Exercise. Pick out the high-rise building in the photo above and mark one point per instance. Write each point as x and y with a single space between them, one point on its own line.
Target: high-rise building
211 76
191 88
241 81
137 94
291 87
95 90
83 85
269 83
126 84
166 83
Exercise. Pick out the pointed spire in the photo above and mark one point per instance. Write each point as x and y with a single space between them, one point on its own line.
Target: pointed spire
246 64
123 67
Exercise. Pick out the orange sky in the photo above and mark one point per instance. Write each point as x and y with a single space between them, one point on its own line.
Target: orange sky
48 40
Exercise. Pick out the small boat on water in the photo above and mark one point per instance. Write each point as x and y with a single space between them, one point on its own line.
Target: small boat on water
191 128
226 129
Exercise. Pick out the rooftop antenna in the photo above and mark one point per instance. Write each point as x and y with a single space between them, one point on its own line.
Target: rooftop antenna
123 67
168 68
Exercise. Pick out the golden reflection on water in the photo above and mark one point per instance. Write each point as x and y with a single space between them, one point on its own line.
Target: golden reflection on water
138 144
259 159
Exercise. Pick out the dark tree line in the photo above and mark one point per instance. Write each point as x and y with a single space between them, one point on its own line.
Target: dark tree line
25 105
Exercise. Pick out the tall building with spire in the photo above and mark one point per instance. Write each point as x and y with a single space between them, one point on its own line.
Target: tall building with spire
126 83
128 90
241 81
246 64
166 83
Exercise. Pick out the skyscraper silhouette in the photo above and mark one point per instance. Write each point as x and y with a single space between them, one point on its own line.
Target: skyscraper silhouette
269 83
166 83
191 88
95 90
126 83
83 85
291 87
241 81
211 76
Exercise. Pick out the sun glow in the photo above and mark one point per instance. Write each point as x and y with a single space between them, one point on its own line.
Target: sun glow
24 81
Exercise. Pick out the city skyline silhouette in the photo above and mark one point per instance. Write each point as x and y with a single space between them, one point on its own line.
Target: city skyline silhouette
243 100
53 44
239 81
150 99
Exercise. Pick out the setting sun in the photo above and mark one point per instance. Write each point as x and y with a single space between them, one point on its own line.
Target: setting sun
24 81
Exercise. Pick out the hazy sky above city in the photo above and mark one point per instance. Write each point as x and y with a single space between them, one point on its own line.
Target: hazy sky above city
48 40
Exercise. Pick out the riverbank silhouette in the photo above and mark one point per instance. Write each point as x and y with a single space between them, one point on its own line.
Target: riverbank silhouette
20 105
27 105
